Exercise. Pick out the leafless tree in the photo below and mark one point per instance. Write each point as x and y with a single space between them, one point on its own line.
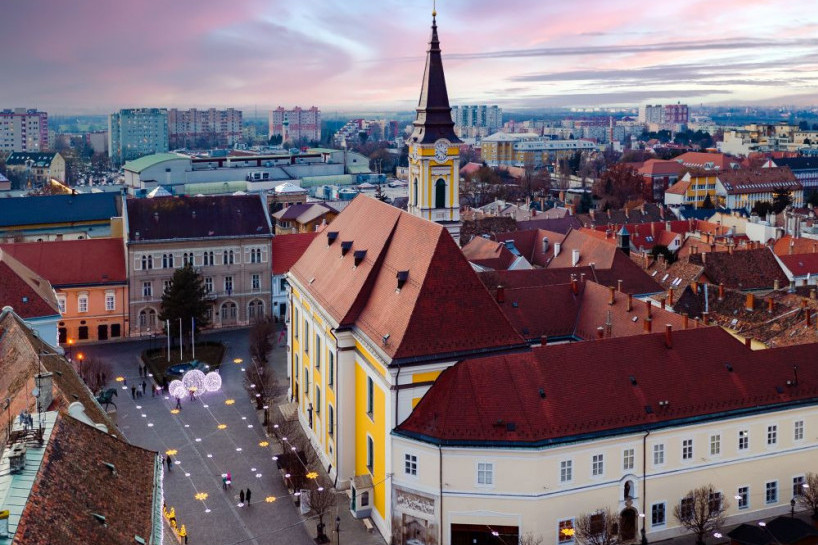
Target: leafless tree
701 511
808 498
261 335
529 538
599 528
322 499
94 372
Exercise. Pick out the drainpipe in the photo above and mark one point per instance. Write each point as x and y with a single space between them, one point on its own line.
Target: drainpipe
397 396
644 484
440 471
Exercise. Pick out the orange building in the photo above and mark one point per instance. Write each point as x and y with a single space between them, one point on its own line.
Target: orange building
89 278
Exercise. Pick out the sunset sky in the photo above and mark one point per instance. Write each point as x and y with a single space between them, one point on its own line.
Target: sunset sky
92 56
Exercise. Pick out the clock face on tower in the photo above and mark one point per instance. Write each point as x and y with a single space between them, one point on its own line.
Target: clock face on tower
441 150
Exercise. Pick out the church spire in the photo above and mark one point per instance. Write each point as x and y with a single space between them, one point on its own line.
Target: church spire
434 115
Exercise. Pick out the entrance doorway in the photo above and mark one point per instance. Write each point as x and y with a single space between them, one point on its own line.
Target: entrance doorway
102 332
627 524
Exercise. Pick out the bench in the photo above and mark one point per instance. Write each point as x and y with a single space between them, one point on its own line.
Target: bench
368 523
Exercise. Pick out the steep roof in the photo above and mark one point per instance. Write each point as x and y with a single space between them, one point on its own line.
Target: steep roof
580 391
212 216
41 159
81 207
29 294
798 163
703 160
556 225
679 188
659 167
591 250
788 245
434 115
488 253
744 270
74 482
287 249
416 320
758 180
68 263
530 244
801 264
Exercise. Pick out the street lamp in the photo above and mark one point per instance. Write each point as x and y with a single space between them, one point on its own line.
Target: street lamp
70 346
80 357
338 529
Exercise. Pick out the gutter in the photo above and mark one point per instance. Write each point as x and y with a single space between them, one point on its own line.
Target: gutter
157 519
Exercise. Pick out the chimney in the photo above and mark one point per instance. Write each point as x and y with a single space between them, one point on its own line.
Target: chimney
574 257
647 324
545 245
670 297
721 291
630 302
704 258
574 285
792 244
649 307
730 249
619 286
557 246
613 296
662 303
694 287
45 394
705 317
776 284
770 305
668 336
750 302
685 319
748 342
600 332
501 294
544 340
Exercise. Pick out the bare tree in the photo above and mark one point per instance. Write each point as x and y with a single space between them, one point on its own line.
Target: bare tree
322 499
599 528
529 538
701 511
94 372
808 498
261 334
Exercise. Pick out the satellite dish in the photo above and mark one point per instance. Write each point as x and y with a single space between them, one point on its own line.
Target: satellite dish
35 392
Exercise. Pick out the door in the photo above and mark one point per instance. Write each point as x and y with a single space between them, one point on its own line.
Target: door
102 332
627 524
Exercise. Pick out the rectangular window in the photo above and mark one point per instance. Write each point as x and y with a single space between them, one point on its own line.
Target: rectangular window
744 439
306 381
715 501
771 492
598 464
566 471
743 497
295 323
317 353
228 284
165 286
658 454
798 486
370 453
772 434
110 301
798 430
370 395
715 444
147 289
317 400
485 473
208 284
627 459
687 449
306 336
657 514
566 531
255 282
61 303
410 464
331 370
330 420
686 508
82 303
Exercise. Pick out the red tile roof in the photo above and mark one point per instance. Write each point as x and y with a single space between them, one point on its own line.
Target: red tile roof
489 254
577 391
74 262
74 483
287 249
788 244
801 264
696 159
758 180
30 295
416 320
744 270
659 167
530 244
679 188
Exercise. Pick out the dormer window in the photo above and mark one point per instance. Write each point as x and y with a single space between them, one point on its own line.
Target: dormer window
359 256
346 246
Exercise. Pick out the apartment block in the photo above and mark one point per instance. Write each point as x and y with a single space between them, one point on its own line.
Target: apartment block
23 130
201 129
134 133
477 120
296 124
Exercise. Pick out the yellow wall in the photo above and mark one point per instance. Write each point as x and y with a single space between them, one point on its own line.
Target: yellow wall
373 427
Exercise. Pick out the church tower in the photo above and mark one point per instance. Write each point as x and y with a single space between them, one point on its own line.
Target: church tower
434 159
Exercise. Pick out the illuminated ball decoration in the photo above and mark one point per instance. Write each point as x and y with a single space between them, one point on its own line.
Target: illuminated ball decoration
194 380
176 388
212 381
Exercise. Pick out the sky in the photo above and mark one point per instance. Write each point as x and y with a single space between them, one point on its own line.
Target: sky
95 56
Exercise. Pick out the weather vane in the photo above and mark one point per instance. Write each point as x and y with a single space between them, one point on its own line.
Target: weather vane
434 8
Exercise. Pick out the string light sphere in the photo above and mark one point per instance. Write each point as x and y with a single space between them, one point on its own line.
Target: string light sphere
176 388
201 496
212 381
194 380
171 452
120 379
270 499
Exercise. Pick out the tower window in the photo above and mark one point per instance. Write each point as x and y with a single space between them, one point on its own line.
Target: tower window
440 193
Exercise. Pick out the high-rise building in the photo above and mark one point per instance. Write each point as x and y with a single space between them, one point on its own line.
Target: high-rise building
434 160
137 132
296 124
651 114
669 114
23 130
477 120
204 128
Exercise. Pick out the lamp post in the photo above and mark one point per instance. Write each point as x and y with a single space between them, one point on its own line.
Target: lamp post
80 357
70 346
338 529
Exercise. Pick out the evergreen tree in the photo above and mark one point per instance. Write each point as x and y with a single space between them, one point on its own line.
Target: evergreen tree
185 299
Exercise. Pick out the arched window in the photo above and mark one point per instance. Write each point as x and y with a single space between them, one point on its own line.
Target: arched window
415 192
147 318
228 311
255 309
440 193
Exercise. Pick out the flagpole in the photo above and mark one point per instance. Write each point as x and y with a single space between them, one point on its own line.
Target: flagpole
192 338
181 339
167 331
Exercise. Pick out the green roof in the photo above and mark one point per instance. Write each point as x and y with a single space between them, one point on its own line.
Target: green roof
138 165
215 188
339 179
323 150
358 169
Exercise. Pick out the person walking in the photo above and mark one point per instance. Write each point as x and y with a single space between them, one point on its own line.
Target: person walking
133 392
178 403
169 461
248 496
144 387
241 498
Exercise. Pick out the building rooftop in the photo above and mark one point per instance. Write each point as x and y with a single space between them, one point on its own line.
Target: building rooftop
582 391
408 279
29 294
758 180
138 165
39 159
58 209
68 263
488 254
215 216
287 249
742 270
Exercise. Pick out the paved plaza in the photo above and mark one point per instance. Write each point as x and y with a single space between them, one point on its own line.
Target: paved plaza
217 433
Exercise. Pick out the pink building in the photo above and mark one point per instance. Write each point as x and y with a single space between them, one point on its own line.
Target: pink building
296 124
676 114
203 128
23 130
